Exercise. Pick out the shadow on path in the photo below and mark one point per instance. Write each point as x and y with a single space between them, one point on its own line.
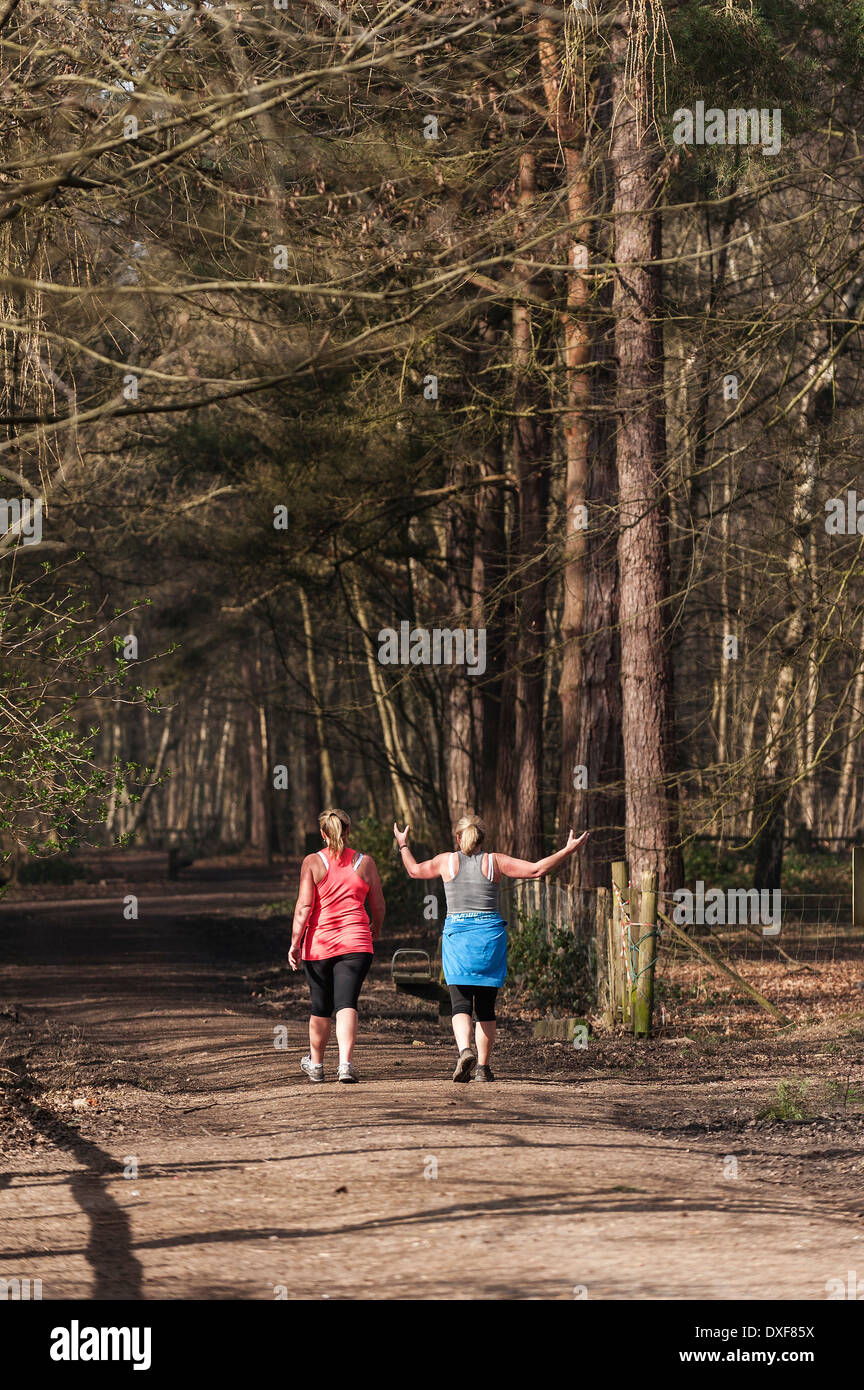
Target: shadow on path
117 1273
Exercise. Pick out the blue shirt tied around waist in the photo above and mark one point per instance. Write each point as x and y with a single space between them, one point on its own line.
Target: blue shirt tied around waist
474 948
474 938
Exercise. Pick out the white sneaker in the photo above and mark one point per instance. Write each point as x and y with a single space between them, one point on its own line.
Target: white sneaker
346 1073
314 1070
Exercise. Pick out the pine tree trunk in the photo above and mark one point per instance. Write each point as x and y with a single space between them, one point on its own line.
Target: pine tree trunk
643 556
600 749
573 801
459 739
531 462
219 819
844 810
815 412
390 733
491 608
328 789
258 787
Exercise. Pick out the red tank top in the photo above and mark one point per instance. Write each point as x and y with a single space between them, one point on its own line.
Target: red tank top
338 923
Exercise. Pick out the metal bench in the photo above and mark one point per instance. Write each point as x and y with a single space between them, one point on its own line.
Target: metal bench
414 972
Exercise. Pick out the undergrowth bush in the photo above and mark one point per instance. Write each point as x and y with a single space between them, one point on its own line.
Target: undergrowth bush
551 973
56 869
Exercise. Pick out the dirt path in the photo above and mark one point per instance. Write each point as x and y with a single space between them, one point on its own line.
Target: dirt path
253 1184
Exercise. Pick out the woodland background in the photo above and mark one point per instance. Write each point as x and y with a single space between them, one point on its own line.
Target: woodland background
230 262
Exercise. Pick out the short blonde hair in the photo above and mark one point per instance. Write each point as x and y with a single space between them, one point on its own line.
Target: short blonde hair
336 826
472 833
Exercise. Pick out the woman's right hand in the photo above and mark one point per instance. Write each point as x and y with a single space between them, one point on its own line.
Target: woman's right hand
573 844
401 835
294 957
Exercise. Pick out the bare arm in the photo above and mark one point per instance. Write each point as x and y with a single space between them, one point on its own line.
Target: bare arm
525 868
375 902
430 868
302 908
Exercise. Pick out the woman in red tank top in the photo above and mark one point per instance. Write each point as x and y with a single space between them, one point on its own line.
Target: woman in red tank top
338 915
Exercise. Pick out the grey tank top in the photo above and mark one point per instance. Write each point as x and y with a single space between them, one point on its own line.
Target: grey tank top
470 890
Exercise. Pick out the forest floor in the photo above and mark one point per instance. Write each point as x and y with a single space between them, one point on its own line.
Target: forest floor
157 1139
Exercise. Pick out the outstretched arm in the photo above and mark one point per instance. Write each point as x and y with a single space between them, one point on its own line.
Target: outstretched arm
524 868
430 868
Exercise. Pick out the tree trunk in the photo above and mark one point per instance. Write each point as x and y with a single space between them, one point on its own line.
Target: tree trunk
844 809
258 787
459 736
573 799
591 788
158 767
531 462
600 749
816 408
196 827
396 759
491 607
328 789
115 745
643 556
770 804
219 819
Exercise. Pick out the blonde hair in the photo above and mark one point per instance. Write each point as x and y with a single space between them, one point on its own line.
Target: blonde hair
336 826
472 833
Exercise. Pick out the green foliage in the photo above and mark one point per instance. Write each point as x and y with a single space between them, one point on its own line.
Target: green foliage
789 1105
811 872
733 57
772 53
816 872
202 445
776 53
717 868
58 666
403 895
57 869
845 1093
551 974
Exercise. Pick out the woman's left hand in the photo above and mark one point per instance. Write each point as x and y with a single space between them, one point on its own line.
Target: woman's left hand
294 957
573 844
401 835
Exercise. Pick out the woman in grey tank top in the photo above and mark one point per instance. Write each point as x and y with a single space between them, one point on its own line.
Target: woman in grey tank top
474 938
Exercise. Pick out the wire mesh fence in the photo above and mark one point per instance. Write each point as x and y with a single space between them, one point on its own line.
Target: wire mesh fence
813 927
813 964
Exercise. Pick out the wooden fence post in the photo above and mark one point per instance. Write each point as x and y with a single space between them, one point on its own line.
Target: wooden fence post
643 996
858 887
617 969
602 963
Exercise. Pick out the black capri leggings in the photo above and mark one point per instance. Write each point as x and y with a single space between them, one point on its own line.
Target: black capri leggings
479 999
335 983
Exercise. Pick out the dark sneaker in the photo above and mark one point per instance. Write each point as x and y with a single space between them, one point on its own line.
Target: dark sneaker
314 1070
466 1064
346 1073
484 1074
